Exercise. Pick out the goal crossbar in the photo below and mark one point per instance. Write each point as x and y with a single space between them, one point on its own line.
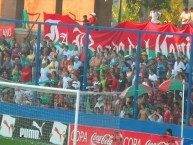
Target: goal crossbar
38 88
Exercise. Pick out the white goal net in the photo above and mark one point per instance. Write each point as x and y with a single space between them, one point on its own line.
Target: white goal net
53 115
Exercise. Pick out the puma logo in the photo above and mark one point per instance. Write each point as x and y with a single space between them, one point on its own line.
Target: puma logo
38 127
58 132
7 125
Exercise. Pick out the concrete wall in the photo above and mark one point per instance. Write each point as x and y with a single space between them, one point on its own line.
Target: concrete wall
103 10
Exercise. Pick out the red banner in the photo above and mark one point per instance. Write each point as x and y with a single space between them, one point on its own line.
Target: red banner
100 39
101 136
7 31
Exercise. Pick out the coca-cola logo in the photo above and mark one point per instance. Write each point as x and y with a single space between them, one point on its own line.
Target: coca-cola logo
103 139
149 142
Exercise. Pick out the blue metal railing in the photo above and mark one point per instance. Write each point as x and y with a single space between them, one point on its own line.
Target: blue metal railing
88 28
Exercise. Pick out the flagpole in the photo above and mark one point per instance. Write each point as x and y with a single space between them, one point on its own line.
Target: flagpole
182 120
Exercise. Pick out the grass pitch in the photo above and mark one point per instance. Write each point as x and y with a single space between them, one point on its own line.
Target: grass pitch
11 141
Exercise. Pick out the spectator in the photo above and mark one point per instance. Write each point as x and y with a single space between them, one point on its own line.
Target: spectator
44 73
77 63
168 132
96 84
167 114
25 46
54 78
121 82
75 83
92 20
7 65
108 108
45 58
31 57
152 76
95 61
128 110
170 72
85 20
17 62
54 65
24 61
184 17
75 51
26 73
18 96
191 16
161 69
99 106
171 58
66 51
15 53
53 54
16 74
156 117
114 83
155 15
191 120
65 63
66 80
176 113
143 115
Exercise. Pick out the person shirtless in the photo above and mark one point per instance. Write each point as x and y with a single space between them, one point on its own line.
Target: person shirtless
143 115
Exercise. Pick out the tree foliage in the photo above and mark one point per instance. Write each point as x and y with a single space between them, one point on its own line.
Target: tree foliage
172 12
130 10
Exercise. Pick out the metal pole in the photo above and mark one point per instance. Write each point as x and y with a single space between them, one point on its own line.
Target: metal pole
189 83
85 61
182 121
37 61
137 74
120 11
85 68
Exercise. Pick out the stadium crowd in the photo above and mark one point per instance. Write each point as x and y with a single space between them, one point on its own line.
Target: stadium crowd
108 71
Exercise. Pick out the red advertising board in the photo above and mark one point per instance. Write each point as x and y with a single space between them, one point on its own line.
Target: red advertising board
102 136
7 31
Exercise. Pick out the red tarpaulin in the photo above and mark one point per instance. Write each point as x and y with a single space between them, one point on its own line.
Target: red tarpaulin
120 40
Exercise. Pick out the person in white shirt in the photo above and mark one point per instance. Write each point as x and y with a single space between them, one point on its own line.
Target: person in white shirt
152 76
155 16
67 52
184 17
44 72
75 83
156 117
99 106
18 96
66 79
178 65
77 63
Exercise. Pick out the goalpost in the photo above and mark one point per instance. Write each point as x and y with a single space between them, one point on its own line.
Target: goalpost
36 91
53 115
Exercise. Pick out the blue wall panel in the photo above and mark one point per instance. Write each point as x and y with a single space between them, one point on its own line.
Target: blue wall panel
93 120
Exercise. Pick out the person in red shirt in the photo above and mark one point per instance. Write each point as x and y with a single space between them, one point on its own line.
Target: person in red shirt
176 113
92 20
26 74
114 83
64 64
167 114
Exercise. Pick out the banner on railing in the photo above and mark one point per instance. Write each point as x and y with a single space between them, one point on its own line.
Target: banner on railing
101 136
100 39
33 129
7 31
